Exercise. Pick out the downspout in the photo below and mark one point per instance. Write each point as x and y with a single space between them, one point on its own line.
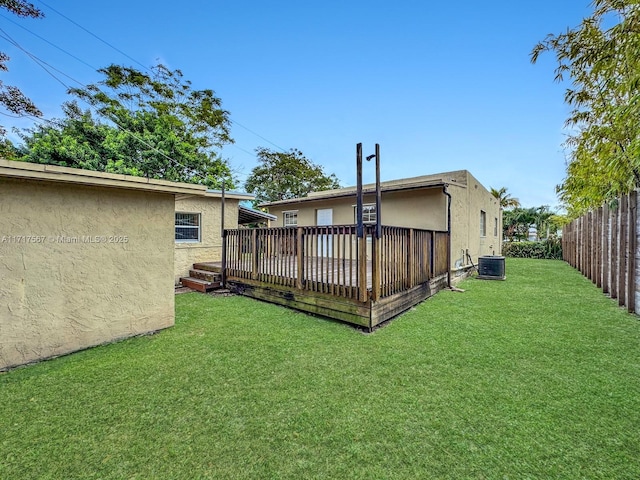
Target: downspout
223 236
444 190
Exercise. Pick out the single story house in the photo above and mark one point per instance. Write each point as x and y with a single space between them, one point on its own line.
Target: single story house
418 202
199 225
432 229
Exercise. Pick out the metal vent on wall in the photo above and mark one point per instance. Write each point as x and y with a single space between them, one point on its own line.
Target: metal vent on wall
491 267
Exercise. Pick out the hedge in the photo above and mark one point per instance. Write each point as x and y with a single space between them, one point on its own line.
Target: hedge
550 248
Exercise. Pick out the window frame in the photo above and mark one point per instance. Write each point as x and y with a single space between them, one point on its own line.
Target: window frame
371 214
483 223
287 215
198 227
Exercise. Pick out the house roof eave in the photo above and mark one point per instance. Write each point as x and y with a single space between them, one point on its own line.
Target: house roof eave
351 192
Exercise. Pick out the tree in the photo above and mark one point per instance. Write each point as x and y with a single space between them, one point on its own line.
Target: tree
600 58
77 141
505 199
11 97
284 175
543 216
153 125
518 221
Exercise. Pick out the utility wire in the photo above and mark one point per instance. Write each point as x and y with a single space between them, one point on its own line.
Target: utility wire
257 135
50 43
42 64
149 70
92 34
240 148
39 61
46 67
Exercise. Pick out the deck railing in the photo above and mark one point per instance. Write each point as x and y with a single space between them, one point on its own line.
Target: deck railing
333 260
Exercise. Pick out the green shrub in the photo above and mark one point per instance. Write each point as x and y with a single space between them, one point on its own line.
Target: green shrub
551 248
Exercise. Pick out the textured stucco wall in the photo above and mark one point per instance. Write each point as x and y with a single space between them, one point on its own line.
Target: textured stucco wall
209 249
424 208
413 209
467 202
81 266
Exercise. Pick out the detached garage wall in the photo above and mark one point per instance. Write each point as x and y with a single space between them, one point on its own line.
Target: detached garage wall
81 265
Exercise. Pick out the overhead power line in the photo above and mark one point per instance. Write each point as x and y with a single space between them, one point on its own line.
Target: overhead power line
47 67
257 135
48 42
42 64
146 68
92 34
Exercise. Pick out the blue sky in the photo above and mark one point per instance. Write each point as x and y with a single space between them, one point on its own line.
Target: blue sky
440 86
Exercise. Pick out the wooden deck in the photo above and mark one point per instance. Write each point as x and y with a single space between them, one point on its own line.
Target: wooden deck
342 273
329 271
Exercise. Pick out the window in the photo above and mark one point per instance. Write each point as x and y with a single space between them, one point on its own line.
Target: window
187 227
483 223
369 214
290 219
495 228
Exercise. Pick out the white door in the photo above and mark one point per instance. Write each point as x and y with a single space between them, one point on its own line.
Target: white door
324 216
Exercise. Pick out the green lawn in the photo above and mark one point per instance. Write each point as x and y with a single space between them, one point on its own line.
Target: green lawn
534 377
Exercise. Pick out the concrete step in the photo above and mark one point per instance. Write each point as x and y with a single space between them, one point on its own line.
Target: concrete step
208 266
207 275
199 284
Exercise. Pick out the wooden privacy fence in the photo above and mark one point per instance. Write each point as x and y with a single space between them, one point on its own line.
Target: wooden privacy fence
333 260
603 245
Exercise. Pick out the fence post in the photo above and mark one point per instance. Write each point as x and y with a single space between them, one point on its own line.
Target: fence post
615 254
598 243
623 251
632 245
591 252
579 243
606 249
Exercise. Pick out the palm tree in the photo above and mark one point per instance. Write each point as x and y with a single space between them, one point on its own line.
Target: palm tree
506 200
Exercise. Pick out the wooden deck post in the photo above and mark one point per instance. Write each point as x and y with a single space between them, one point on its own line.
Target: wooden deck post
432 257
359 222
376 254
223 267
410 259
378 195
256 254
299 258
362 268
